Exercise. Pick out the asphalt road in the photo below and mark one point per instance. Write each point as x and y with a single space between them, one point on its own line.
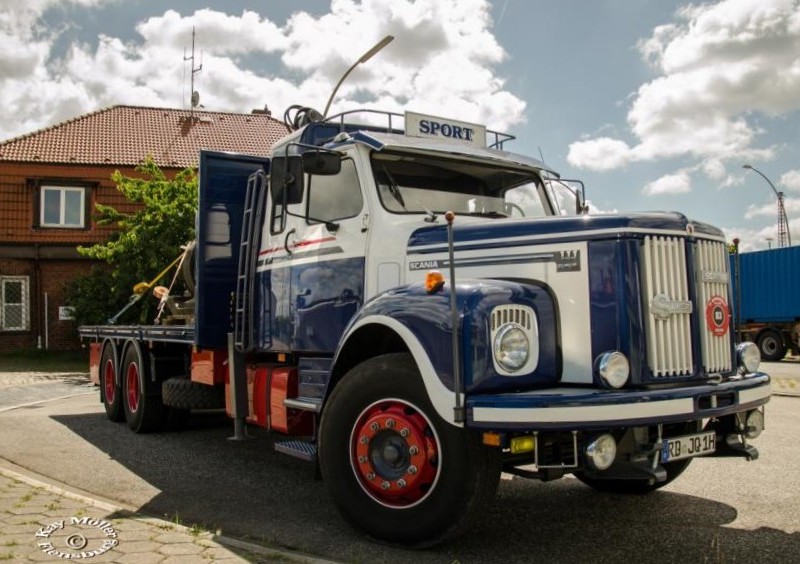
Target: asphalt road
720 510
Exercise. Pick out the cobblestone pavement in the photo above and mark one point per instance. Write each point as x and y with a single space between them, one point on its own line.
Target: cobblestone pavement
45 522
41 522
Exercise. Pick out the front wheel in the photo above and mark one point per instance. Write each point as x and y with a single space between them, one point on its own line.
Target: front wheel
393 467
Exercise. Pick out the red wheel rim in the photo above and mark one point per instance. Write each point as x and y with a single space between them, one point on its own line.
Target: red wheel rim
395 453
109 382
132 384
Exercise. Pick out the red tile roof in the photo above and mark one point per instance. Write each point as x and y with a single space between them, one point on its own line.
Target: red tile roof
125 135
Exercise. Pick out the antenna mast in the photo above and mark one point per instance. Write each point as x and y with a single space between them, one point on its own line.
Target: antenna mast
195 95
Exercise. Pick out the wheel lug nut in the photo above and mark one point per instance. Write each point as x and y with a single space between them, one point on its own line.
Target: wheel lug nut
413 450
401 483
404 432
412 470
371 476
374 426
390 423
385 485
362 459
363 440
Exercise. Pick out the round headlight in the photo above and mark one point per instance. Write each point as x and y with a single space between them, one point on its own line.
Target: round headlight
601 452
511 347
749 356
614 369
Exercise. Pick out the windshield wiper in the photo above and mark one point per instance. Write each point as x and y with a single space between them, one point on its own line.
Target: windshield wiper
394 189
487 214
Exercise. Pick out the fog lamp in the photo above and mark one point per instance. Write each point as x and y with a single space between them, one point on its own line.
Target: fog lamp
601 452
523 444
754 424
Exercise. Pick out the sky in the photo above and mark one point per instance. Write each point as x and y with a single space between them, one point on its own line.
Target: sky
654 104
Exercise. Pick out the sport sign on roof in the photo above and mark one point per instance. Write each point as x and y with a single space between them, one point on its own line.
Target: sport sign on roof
421 125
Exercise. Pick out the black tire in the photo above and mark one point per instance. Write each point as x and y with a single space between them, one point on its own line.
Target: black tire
144 410
379 423
635 487
182 393
110 389
770 343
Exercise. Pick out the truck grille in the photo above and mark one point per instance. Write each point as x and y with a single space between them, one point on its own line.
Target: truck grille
711 271
668 308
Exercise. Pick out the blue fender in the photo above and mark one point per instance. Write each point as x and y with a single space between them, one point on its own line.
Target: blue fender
423 322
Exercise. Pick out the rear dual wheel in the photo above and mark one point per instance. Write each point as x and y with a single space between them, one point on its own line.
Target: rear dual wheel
144 410
393 466
109 380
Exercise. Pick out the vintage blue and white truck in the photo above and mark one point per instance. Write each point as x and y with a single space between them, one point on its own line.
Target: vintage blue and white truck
415 309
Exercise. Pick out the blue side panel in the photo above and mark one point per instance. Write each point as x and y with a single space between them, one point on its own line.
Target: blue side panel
769 285
223 185
616 301
314 302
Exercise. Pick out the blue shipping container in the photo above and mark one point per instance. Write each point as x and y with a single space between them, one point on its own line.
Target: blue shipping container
770 281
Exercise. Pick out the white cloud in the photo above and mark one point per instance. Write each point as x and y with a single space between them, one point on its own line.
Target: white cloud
442 61
678 183
602 153
718 64
791 180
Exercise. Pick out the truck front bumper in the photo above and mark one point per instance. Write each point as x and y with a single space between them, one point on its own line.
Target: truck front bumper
591 408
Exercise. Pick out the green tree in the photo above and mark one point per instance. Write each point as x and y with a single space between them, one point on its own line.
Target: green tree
147 241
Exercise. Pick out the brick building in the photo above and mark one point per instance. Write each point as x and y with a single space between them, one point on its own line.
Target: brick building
51 179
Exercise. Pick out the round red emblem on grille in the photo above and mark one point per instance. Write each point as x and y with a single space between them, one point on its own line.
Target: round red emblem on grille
718 317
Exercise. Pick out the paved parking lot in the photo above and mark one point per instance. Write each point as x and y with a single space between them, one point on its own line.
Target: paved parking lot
721 510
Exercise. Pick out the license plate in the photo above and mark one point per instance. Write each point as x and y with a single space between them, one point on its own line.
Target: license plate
688 446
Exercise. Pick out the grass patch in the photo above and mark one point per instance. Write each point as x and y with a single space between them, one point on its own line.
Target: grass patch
36 360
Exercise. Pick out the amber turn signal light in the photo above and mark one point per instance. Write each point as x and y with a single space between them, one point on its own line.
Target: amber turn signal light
434 281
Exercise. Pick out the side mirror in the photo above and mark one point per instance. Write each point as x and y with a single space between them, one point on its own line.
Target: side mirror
322 163
286 180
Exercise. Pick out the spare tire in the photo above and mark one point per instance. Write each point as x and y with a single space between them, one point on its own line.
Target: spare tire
182 393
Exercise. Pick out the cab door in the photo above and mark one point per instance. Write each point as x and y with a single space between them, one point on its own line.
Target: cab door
313 254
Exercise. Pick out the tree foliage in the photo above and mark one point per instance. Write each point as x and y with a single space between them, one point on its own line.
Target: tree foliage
147 241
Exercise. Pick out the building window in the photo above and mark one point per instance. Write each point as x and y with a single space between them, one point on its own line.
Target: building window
62 206
13 303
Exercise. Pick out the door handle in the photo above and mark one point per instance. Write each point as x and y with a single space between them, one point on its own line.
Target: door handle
286 241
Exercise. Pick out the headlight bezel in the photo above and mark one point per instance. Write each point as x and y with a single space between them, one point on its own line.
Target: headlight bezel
508 322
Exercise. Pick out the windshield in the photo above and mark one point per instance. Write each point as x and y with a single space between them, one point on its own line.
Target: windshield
422 184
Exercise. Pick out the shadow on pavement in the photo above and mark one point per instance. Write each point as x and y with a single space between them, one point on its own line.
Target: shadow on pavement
251 492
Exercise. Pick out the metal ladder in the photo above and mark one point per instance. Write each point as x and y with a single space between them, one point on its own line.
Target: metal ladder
248 260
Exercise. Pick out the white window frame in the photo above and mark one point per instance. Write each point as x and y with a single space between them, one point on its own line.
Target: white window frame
63 208
25 294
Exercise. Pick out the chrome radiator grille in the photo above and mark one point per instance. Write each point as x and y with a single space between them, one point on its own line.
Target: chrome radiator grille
711 271
667 307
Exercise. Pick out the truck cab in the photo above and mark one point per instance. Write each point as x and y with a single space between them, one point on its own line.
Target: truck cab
420 309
